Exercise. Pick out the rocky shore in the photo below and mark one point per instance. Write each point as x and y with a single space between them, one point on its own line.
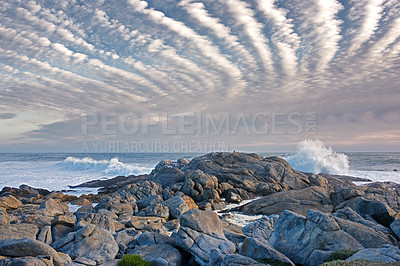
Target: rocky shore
170 217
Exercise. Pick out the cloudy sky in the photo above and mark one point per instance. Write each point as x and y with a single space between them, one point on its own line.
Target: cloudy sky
262 70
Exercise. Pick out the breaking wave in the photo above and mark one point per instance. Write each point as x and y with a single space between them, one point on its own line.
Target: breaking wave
313 157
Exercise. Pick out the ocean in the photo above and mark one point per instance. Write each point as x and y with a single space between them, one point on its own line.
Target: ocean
56 171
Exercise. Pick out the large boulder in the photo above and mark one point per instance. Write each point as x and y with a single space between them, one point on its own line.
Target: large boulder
91 242
152 224
156 210
261 228
250 172
167 173
148 201
298 237
384 254
159 254
16 231
219 259
10 202
102 220
299 201
199 232
177 206
29 247
52 208
261 249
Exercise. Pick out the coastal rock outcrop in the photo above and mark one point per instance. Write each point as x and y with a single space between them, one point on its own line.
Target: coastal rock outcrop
199 232
91 242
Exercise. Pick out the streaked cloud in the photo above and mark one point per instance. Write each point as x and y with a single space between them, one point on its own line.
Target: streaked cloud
339 59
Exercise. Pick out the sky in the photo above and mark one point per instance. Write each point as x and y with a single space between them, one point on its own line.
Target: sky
162 75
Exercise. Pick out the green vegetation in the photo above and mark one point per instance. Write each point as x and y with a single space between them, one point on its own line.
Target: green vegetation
133 260
272 262
359 262
340 254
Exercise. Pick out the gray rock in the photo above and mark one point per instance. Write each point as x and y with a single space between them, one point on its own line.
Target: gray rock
29 247
261 228
299 201
17 231
219 259
297 236
395 226
167 174
102 220
379 211
45 235
66 220
250 172
4 217
51 208
156 210
125 237
176 206
59 231
258 249
10 202
386 253
152 238
151 200
25 261
159 254
199 232
90 242
152 224
120 208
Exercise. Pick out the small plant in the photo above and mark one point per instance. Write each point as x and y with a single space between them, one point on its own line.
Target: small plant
340 254
133 260
272 262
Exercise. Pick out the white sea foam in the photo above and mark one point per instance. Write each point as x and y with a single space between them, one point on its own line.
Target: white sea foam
110 167
313 157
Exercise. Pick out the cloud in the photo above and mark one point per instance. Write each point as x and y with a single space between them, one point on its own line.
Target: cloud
5 116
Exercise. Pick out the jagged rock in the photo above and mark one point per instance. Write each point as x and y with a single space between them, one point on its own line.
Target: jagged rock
166 173
233 197
51 208
102 220
4 217
234 233
26 261
137 191
17 231
172 225
196 181
120 208
37 219
125 237
90 242
199 232
299 201
395 226
152 224
300 238
349 214
59 231
379 211
261 249
219 259
30 247
85 261
384 254
156 210
66 220
81 201
176 206
148 201
10 202
152 238
159 254
45 235
250 172
297 236
261 228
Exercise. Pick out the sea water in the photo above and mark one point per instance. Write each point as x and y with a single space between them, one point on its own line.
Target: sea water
57 171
